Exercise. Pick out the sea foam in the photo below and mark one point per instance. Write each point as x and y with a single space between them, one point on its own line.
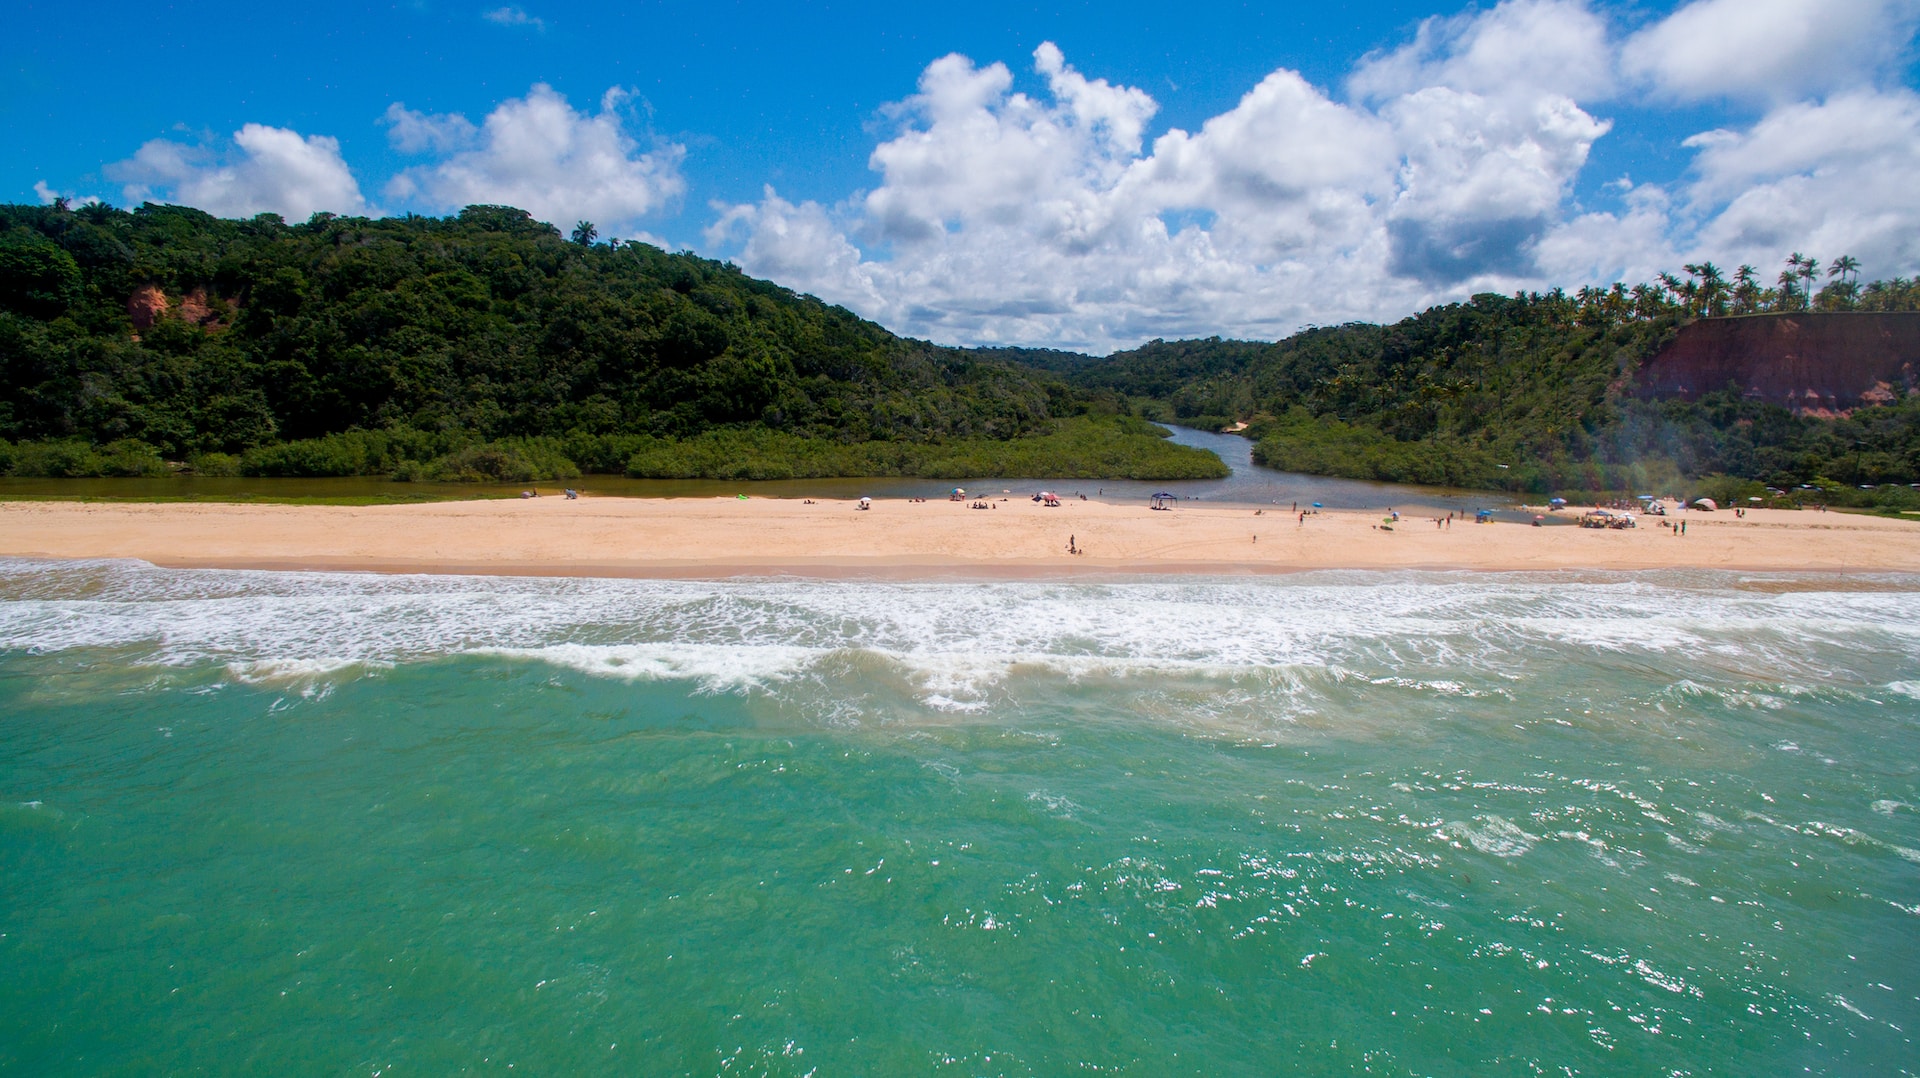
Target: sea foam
953 644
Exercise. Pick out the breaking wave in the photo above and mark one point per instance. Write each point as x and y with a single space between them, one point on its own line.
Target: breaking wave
1198 644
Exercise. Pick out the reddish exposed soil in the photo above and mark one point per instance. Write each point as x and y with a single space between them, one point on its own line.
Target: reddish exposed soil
146 305
1814 364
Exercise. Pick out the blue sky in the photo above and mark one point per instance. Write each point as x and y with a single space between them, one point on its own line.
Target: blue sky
1336 162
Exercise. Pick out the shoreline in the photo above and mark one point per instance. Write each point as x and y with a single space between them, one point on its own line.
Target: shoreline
905 540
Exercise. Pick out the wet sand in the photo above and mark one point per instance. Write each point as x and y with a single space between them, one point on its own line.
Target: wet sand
726 537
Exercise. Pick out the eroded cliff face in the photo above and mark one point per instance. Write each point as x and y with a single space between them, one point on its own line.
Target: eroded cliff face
1814 364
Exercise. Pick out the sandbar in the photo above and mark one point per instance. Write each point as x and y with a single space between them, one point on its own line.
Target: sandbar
715 537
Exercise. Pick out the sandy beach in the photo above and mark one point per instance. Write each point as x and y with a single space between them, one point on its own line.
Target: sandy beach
722 537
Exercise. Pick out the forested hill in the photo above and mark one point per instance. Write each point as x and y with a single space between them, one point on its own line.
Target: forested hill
488 344
1536 392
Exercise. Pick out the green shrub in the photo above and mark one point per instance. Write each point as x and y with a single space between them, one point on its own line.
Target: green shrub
130 457
56 460
219 464
514 460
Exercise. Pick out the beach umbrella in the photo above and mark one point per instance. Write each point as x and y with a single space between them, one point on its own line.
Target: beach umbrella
1556 502
1705 503
1756 499
1317 505
1646 497
959 490
1164 494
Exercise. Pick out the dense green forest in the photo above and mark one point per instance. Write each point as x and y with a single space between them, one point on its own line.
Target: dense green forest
488 346
1532 393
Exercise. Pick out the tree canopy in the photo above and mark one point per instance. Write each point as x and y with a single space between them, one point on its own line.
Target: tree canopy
199 337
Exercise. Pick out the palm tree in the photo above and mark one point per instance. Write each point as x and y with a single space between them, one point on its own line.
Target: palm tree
1789 281
1672 284
1713 288
1843 291
1746 289
1803 269
1646 301
584 233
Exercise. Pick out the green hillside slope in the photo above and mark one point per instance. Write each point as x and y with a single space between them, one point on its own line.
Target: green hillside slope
484 346
1530 393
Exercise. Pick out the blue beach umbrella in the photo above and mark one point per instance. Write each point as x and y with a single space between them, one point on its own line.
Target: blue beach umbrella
1317 505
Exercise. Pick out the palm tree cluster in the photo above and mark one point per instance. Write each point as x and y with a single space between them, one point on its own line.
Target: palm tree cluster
1706 292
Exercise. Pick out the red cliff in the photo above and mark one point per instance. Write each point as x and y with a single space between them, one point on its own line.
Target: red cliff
1819 364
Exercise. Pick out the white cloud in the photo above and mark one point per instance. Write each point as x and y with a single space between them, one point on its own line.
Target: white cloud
1450 168
417 132
48 196
1771 49
513 16
540 154
268 169
1834 178
1521 47
1009 217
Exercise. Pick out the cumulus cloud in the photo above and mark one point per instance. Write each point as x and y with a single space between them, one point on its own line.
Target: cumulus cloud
1771 50
1521 47
540 154
265 170
417 132
1005 216
1449 166
1835 176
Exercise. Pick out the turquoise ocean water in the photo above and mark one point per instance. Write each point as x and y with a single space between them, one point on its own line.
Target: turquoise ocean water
1648 824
